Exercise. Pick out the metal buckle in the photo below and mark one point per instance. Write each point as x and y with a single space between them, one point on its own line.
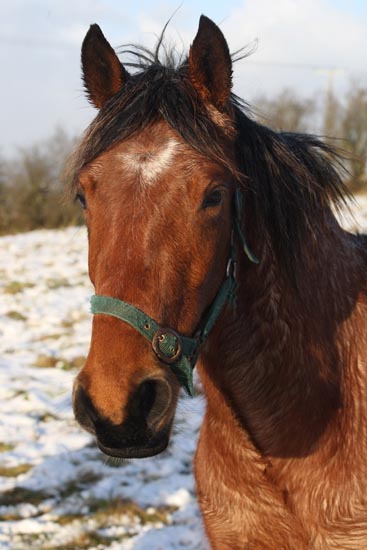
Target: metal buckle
231 268
159 337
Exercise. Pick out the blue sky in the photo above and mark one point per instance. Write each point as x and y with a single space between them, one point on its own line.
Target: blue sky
299 41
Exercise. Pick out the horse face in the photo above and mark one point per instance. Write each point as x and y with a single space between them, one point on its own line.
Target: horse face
158 217
159 222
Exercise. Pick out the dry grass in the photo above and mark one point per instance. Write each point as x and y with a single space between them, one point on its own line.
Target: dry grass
16 316
14 287
102 511
14 471
54 284
51 361
19 495
83 541
46 361
4 447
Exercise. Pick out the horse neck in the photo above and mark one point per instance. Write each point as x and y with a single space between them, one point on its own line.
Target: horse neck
283 359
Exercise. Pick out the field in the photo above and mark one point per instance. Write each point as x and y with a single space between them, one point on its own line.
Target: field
58 492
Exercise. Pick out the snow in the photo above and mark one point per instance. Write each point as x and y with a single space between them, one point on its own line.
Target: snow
66 494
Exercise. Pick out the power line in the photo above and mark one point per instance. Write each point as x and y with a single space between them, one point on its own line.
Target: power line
35 43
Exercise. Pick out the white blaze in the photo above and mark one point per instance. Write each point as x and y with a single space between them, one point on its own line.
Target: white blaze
149 165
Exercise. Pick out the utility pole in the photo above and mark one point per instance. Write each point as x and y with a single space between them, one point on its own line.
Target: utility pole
330 129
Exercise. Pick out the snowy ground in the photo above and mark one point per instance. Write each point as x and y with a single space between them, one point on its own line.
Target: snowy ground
58 492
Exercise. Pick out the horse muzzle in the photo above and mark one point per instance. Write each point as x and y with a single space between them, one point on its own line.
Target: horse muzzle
145 429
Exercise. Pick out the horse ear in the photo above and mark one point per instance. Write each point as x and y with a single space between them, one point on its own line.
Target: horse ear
210 64
103 74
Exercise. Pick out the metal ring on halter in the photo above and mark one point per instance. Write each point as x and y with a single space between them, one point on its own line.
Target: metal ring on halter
159 337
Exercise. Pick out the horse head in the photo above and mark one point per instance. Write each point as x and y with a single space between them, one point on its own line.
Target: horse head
156 178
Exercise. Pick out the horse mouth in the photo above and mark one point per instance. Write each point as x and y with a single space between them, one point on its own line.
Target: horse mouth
154 448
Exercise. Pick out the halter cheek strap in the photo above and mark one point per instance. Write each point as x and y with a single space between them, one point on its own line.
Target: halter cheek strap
179 352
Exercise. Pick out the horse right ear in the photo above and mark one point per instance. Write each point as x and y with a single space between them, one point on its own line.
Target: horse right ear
103 74
210 64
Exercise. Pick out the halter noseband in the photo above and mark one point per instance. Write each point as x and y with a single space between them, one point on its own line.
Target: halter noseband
177 351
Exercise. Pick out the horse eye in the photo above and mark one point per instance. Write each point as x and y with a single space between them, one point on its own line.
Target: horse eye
81 198
213 199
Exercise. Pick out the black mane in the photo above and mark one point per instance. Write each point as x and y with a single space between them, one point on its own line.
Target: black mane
292 178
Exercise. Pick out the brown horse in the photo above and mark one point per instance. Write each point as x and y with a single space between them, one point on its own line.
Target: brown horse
162 171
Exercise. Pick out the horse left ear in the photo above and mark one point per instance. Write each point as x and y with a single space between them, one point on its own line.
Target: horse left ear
103 73
210 64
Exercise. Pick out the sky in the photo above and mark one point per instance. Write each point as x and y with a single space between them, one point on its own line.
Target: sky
306 45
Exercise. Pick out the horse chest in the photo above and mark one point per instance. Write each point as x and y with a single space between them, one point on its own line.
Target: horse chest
246 505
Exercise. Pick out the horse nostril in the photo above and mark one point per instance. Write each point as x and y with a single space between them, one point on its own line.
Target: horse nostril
84 411
152 400
147 395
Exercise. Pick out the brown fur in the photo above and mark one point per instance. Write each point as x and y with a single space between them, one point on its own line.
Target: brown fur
290 419
281 461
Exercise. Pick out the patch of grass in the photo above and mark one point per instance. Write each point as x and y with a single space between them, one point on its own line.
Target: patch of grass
54 284
75 363
84 542
53 336
68 323
6 447
10 517
19 495
14 287
46 361
79 361
67 365
38 541
46 417
102 510
14 471
18 393
30 540
50 361
16 316
75 485
68 518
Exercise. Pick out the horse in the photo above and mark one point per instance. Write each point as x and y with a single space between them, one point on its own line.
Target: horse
214 240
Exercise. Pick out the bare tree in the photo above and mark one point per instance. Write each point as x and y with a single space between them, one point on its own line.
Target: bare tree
286 112
354 132
33 189
333 112
4 210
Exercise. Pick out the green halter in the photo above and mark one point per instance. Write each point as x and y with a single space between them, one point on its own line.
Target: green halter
180 352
